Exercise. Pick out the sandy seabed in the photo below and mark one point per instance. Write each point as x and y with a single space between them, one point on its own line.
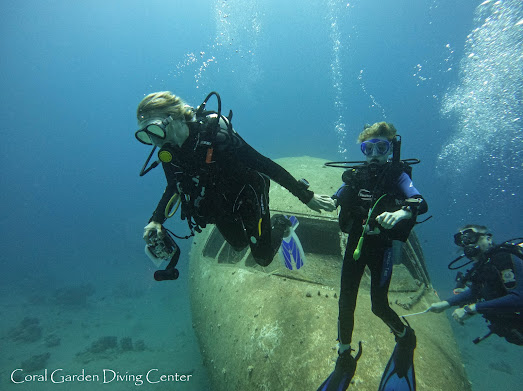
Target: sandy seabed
155 344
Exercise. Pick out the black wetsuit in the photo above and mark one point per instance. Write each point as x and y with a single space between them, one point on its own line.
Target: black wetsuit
496 286
362 188
228 187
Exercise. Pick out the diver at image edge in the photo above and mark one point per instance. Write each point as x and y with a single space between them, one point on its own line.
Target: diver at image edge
492 287
216 177
379 193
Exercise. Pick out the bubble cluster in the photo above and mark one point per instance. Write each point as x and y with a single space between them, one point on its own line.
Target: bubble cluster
237 29
486 102
336 75
418 74
238 26
375 103
449 60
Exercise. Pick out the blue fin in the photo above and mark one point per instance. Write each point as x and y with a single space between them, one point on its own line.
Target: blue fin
336 382
291 250
392 379
340 378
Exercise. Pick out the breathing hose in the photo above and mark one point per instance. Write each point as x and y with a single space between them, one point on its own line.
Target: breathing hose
357 252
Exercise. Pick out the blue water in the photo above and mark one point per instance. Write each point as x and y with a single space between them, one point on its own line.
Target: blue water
301 77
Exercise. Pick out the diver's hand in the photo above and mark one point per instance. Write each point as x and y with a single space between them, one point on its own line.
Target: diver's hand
438 307
152 226
462 314
389 219
321 202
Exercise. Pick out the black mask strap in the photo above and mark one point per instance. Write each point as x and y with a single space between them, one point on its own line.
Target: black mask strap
396 149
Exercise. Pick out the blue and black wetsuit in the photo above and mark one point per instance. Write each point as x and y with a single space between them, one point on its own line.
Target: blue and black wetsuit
361 189
230 188
495 285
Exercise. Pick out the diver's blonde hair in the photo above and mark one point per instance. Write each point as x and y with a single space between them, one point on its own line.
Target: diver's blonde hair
479 228
164 103
379 129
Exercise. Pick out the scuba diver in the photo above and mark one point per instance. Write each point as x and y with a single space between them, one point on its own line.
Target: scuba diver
216 177
379 206
493 287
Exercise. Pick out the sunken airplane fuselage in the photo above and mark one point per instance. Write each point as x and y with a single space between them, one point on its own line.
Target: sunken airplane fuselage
275 329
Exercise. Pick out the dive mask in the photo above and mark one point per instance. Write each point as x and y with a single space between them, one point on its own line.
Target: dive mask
468 237
155 129
375 147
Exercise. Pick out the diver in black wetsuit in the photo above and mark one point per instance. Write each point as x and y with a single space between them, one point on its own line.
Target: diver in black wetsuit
220 178
493 287
379 205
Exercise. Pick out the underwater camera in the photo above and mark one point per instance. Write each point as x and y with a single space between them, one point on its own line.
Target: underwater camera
163 248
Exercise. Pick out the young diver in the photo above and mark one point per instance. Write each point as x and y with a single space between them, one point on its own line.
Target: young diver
380 194
219 178
493 287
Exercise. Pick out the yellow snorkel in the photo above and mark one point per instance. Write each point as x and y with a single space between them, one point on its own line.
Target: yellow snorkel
357 252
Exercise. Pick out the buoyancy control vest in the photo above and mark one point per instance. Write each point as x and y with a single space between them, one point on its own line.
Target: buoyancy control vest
202 168
363 186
